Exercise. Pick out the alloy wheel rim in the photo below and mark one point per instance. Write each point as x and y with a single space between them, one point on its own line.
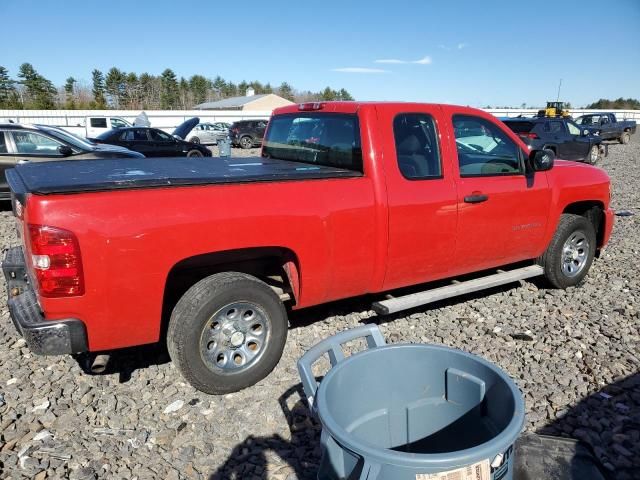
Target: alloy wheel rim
575 253
235 337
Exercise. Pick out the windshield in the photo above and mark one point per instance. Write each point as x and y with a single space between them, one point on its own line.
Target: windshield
331 140
69 138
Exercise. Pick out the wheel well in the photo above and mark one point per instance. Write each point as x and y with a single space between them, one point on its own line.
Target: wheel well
550 147
593 211
276 266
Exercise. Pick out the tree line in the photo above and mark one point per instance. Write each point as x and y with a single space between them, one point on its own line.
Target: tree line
618 104
118 89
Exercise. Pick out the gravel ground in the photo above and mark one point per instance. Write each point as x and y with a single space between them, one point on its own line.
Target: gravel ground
575 355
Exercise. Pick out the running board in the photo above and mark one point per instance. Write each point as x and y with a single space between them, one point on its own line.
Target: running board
392 305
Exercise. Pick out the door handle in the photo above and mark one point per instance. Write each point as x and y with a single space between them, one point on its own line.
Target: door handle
476 198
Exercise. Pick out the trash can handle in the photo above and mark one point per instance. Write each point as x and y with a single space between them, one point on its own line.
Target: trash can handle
333 346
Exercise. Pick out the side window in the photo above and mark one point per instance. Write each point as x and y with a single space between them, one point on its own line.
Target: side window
484 149
604 120
573 128
556 127
160 136
99 122
117 123
416 142
34 143
3 144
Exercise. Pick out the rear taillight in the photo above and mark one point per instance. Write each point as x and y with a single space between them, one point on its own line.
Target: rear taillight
530 135
56 261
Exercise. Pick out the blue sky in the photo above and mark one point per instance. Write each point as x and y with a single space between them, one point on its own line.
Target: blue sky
467 52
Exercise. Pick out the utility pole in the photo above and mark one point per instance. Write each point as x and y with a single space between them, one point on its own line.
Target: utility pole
559 87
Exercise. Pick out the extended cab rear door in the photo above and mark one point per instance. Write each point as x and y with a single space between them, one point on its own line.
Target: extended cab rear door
421 194
502 208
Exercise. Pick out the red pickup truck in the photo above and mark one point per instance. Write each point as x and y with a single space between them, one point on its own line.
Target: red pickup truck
347 198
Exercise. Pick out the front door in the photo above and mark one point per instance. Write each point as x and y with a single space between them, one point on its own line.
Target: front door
421 195
164 145
502 208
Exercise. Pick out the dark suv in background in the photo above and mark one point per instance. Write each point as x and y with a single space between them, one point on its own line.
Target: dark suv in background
562 135
247 133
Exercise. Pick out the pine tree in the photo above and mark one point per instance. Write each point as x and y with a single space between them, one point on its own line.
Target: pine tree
285 91
199 87
98 89
39 91
69 87
169 95
8 93
114 86
344 95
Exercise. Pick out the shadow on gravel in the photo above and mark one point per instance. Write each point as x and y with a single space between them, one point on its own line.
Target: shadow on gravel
250 458
127 360
607 425
307 316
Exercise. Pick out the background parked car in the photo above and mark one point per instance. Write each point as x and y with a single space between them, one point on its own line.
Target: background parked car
208 133
608 126
152 142
92 126
247 133
567 140
38 143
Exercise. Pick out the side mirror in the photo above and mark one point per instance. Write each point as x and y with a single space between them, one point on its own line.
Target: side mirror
64 150
541 160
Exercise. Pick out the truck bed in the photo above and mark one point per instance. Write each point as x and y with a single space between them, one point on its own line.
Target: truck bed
46 178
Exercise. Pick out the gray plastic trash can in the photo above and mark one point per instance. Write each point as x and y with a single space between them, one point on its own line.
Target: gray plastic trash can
224 147
411 412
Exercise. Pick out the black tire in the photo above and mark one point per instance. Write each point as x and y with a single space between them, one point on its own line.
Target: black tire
625 138
554 257
193 319
194 153
195 140
246 142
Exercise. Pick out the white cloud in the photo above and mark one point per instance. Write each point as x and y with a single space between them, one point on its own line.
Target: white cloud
444 47
423 61
390 60
462 45
359 70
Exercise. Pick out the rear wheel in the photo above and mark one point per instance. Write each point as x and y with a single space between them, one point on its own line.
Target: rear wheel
194 153
194 140
570 253
227 332
246 142
625 138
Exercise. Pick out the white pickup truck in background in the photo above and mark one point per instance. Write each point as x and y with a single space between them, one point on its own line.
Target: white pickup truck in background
91 127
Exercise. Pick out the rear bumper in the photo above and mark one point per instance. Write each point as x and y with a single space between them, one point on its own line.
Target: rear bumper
44 337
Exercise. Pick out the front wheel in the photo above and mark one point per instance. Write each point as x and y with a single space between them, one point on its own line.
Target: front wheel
246 142
227 332
625 138
194 140
194 153
594 155
570 253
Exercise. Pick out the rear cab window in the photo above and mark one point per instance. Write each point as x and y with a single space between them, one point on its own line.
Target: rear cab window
326 139
417 150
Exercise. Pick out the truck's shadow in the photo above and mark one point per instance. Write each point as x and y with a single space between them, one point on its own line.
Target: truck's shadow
250 458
